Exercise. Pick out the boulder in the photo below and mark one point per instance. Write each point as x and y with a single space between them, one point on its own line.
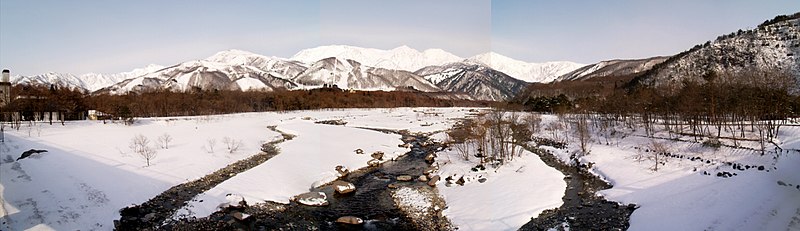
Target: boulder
481 180
28 153
430 157
149 217
343 187
312 199
393 186
342 170
460 181
432 182
430 170
234 200
377 155
350 220
404 178
422 178
240 216
374 163
409 139
359 151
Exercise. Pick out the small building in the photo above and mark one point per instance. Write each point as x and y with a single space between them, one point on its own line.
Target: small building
5 88
33 106
98 115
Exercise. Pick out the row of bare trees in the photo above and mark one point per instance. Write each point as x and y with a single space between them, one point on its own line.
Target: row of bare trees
723 105
494 137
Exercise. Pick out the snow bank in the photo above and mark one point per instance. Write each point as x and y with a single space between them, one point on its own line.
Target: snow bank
89 172
307 160
680 197
510 196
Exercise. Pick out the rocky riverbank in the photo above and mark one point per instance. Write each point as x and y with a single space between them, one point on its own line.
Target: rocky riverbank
582 208
156 213
383 199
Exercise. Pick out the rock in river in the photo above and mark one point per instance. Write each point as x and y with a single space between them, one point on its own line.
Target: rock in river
350 220
343 187
312 199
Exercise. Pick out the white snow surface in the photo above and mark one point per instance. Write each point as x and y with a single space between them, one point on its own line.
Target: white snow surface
89 172
409 59
400 58
680 197
528 72
512 194
89 81
308 160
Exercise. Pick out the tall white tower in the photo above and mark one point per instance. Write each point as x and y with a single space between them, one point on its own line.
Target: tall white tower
5 88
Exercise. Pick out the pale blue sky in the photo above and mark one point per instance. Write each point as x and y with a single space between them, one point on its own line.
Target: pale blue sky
115 36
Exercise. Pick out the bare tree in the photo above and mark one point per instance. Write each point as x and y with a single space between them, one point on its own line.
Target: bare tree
141 145
555 128
658 148
582 132
232 144
210 143
534 121
164 140
461 137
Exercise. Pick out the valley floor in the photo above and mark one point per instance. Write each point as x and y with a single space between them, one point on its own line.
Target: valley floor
89 171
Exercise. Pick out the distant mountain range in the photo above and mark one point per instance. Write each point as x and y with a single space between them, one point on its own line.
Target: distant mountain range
774 45
488 76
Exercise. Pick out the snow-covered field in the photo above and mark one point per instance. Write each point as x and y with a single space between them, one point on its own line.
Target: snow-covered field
89 171
680 197
507 199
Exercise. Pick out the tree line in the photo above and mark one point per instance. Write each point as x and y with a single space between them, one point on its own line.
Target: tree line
735 102
159 103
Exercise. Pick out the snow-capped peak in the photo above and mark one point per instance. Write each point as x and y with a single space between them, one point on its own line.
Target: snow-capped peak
400 58
238 57
529 72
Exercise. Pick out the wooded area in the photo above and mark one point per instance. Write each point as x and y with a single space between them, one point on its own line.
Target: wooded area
75 103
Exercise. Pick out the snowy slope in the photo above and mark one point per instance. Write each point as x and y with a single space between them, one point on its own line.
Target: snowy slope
90 81
400 58
357 68
687 193
510 196
204 74
612 68
274 65
769 47
528 72
479 81
349 74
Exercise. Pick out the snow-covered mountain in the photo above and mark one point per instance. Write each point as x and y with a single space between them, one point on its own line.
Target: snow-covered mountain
349 74
400 58
612 68
772 46
205 74
409 59
347 67
276 66
479 81
528 72
88 82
